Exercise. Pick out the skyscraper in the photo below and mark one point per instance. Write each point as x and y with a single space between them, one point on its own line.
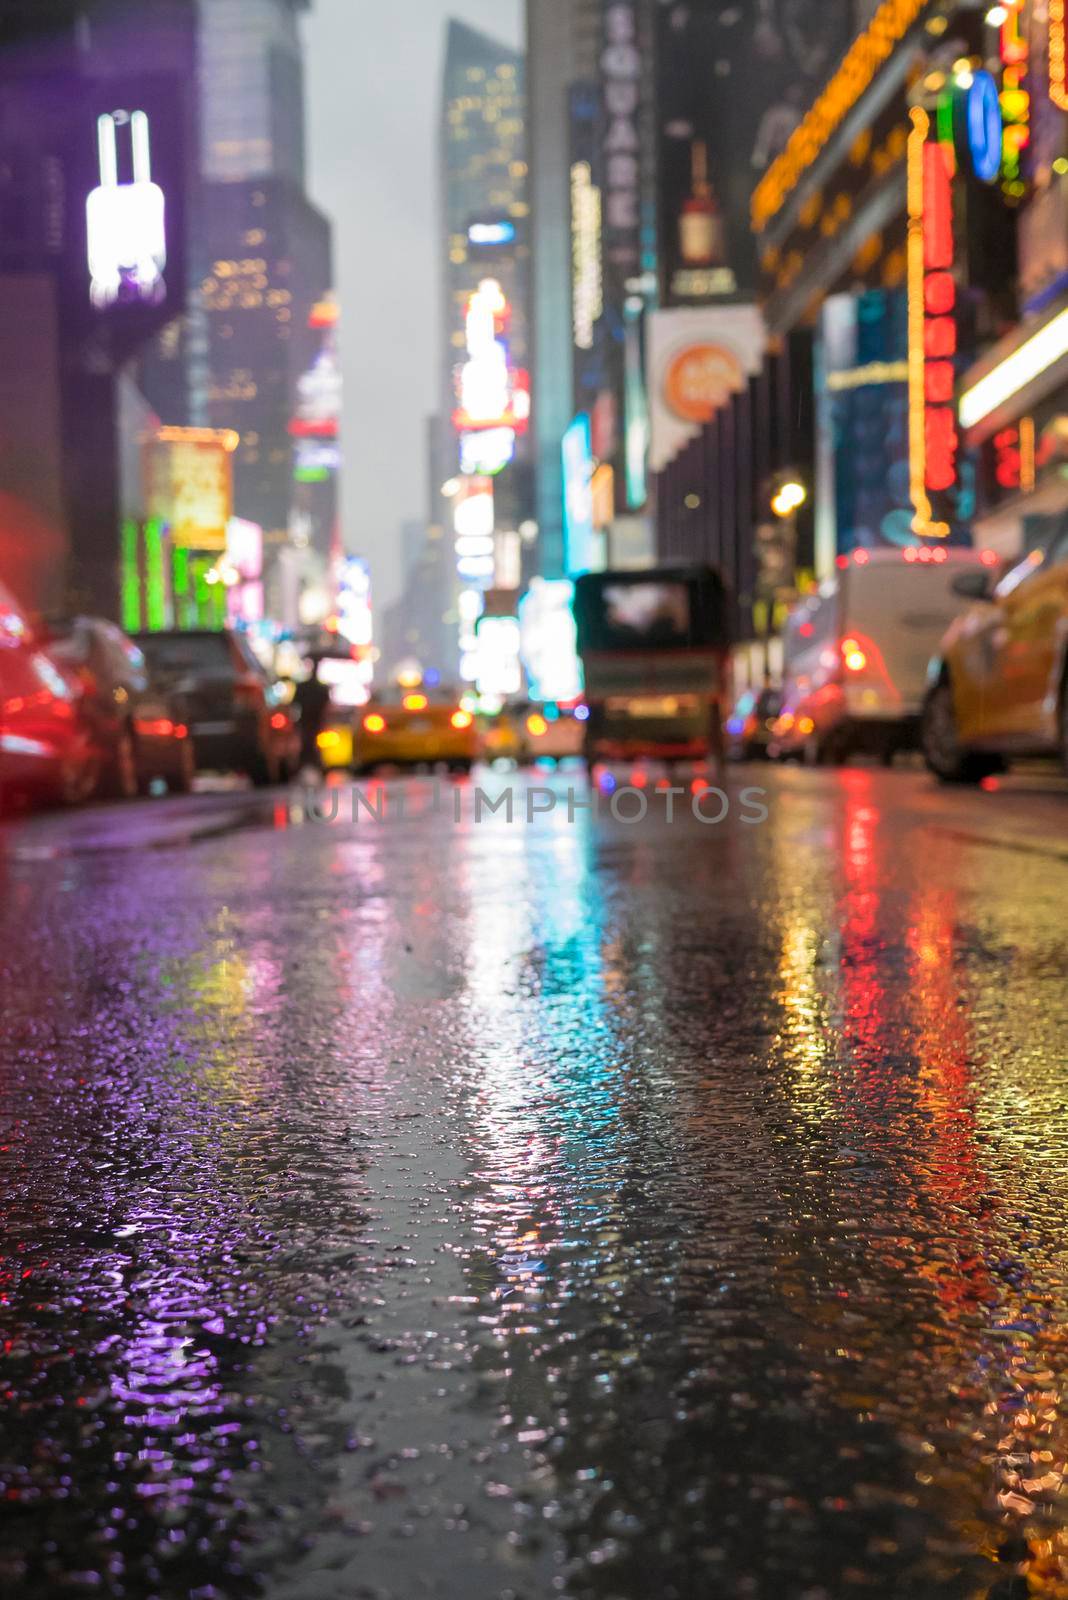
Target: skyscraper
485 369
252 90
483 176
562 38
263 257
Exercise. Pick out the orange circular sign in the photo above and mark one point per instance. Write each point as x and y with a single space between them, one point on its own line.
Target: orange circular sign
699 379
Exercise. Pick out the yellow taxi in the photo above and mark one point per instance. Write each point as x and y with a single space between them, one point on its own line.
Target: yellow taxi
998 687
501 737
412 731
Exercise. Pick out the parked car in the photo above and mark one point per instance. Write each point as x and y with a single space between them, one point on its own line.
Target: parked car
410 731
998 686
233 710
136 728
856 653
46 752
750 724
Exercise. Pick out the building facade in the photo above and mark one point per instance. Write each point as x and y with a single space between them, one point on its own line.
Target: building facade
908 247
79 81
562 38
485 374
262 260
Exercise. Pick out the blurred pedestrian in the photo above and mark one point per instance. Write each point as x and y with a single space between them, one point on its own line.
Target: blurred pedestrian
312 698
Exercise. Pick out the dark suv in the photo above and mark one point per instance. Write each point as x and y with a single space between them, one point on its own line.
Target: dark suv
233 710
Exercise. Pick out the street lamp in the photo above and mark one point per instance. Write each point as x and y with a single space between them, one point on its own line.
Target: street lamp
776 551
789 498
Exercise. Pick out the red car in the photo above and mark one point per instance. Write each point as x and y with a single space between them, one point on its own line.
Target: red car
46 749
138 731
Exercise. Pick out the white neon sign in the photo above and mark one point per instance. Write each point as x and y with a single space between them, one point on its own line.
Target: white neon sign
127 233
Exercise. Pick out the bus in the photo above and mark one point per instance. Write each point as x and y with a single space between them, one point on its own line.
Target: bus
655 651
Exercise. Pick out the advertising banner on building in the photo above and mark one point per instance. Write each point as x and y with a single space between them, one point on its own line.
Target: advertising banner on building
696 359
189 484
732 84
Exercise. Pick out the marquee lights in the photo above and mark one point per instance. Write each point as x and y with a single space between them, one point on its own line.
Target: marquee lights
126 226
932 329
587 289
888 27
1058 55
1014 99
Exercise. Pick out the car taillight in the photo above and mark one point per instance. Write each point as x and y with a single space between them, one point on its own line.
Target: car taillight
155 728
279 720
853 656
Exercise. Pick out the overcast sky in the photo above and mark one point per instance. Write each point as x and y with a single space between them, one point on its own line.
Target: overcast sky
373 86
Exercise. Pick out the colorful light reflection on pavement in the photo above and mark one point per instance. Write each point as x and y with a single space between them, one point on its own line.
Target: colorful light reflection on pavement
570 1208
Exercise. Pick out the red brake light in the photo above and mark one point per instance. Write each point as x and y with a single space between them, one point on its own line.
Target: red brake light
156 728
279 720
989 558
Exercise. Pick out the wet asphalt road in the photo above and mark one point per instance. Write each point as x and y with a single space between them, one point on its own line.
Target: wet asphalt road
424 1208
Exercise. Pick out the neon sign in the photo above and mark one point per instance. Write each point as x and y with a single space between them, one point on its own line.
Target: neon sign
621 71
491 233
982 114
127 235
932 327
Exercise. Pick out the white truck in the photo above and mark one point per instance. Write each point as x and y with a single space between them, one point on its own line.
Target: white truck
855 654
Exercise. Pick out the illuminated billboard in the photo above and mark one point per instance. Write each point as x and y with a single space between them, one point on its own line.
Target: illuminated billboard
492 393
498 673
696 360
547 644
579 533
188 478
